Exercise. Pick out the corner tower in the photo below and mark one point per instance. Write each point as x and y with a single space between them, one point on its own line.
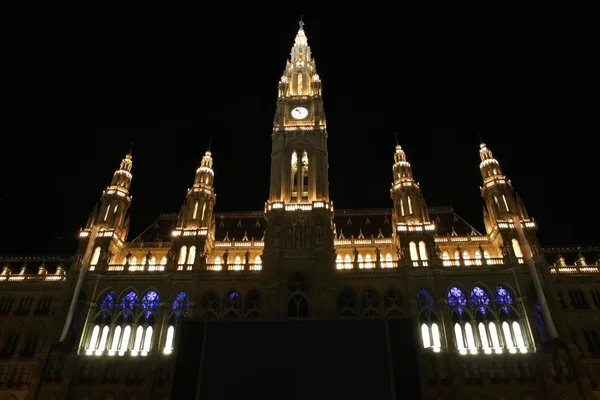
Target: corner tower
502 206
193 234
299 237
414 231
110 217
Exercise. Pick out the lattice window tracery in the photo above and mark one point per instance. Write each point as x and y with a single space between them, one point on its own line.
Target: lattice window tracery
347 303
393 302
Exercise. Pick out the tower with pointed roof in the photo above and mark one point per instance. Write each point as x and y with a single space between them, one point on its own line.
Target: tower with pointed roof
300 235
192 235
110 215
414 232
502 206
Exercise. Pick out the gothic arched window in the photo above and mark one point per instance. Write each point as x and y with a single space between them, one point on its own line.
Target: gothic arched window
129 301
150 301
252 303
392 302
429 326
210 305
424 298
232 304
456 298
108 301
479 297
503 297
180 302
369 302
179 305
347 303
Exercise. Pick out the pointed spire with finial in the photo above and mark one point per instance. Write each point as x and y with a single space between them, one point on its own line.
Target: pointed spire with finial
205 173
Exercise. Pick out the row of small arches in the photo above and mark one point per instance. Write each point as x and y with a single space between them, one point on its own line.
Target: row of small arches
129 303
370 303
132 261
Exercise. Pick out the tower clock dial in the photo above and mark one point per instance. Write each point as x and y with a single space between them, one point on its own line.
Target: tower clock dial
299 113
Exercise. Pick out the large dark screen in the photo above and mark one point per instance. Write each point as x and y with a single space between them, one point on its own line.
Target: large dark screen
298 359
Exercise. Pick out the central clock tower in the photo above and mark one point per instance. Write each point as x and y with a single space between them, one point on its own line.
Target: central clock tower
299 237
299 155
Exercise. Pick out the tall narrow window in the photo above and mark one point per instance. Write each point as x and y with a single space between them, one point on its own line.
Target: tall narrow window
203 211
300 83
191 255
195 214
414 254
107 210
410 210
401 207
294 177
423 250
182 255
304 176
517 248
505 202
95 256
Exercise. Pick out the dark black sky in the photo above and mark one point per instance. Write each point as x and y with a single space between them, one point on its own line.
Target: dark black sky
82 83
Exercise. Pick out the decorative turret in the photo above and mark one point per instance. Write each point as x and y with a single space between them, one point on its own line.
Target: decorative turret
414 231
111 211
497 191
409 203
503 206
108 223
200 199
193 233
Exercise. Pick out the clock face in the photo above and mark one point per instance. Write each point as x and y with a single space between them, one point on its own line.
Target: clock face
299 113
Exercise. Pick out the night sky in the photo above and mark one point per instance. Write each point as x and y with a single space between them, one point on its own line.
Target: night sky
83 83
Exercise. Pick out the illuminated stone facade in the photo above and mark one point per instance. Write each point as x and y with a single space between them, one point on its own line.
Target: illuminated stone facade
485 332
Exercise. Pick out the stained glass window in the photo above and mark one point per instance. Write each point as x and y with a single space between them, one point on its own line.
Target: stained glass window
129 300
151 300
233 300
503 297
424 298
369 299
181 302
108 301
456 297
479 297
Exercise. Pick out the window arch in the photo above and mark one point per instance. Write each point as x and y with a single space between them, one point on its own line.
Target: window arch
428 320
182 255
414 254
191 255
517 248
133 327
347 303
232 304
150 302
486 329
96 256
461 321
210 305
297 296
179 305
370 303
393 302
510 321
129 301
422 250
389 261
100 326
252 303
